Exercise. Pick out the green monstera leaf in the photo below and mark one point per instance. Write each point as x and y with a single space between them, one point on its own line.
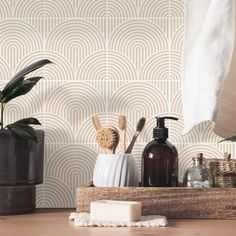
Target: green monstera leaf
232 139
22 128
20 85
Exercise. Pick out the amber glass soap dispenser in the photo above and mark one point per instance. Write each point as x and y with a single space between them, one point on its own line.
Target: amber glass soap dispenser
160 158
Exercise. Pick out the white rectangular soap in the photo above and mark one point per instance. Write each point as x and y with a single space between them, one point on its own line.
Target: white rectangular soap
123 211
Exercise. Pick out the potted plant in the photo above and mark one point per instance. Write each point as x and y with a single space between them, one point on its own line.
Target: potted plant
232 139
21 148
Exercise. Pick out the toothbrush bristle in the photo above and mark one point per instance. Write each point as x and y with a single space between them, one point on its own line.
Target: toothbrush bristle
122 122
140 124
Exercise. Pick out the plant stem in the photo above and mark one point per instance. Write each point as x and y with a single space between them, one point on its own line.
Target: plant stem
2 108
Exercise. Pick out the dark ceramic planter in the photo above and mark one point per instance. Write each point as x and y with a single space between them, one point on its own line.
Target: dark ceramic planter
21 161
19 199
21 168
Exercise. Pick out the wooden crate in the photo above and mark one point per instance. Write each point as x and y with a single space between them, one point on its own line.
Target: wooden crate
172 202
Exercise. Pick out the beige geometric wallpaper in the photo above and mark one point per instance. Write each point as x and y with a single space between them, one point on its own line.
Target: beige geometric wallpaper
111 57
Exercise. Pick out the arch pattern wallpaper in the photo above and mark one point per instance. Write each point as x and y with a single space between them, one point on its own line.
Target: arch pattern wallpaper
110 57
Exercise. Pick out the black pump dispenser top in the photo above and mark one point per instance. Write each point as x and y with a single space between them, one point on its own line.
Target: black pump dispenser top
161 132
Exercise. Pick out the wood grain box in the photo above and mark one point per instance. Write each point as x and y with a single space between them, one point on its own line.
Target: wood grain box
216 203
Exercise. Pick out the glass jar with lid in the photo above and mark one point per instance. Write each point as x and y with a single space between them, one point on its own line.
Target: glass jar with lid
198 176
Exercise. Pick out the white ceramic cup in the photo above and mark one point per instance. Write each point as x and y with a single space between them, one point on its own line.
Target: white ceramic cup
115 170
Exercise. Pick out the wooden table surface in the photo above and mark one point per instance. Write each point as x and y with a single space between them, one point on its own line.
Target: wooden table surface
55 222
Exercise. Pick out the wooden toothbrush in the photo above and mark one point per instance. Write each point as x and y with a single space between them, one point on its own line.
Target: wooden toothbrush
122 127
96 122
107 137
139 129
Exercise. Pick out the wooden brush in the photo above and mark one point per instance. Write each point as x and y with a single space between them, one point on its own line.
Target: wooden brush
107 137
139 129
122 127
96 122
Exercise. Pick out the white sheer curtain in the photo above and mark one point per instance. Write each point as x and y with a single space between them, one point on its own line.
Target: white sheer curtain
208 48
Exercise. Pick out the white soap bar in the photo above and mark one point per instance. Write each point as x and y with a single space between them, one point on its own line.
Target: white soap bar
123 211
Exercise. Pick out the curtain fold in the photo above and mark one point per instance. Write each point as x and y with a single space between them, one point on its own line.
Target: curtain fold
208 48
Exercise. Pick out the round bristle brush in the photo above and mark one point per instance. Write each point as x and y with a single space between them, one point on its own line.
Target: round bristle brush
108 139
139 129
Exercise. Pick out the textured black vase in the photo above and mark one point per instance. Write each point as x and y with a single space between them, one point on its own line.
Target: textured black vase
21 168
